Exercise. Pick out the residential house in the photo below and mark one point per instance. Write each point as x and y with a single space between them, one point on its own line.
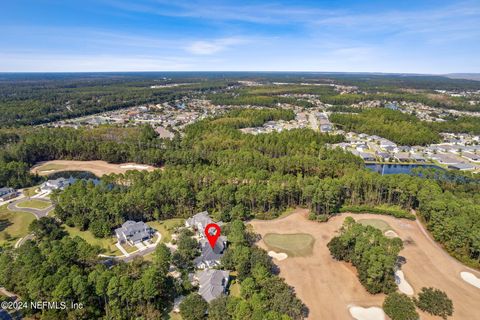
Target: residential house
402 157
462 166
365 156
57 184
8 193
212 283
384 143
198 222
383 156
418 158
132 232
445 159
210 257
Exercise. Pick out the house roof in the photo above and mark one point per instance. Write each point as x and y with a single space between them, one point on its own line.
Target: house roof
6 190
209 254
462 166
201 218
212 283
134 231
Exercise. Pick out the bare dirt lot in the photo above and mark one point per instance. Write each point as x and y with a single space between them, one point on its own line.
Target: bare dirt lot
97 167
327 286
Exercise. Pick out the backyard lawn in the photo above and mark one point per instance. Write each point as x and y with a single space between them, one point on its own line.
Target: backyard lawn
35 204
13 225
296 244
166 227
108 244
376 223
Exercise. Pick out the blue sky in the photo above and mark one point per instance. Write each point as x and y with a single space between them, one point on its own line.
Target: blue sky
158 35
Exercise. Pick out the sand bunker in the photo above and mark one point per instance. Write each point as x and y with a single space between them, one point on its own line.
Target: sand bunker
372 313
402 283
134 166
470 278
391 234
279 256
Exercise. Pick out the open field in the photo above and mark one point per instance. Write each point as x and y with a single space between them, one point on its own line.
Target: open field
108 244
166 227
295 245
35 204
97 167
13 225
327 286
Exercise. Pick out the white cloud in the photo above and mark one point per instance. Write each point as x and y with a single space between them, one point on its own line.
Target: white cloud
32 62
208 47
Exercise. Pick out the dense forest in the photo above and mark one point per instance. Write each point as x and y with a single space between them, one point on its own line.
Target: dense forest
391 124
215 167
469 125
36 102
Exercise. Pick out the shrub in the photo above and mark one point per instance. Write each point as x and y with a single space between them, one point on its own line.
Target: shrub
435 302
399 306
383 209
193 307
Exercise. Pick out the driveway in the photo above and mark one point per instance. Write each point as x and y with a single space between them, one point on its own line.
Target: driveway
38 213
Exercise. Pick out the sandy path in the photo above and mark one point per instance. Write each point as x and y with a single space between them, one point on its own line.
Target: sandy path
328 287
97 167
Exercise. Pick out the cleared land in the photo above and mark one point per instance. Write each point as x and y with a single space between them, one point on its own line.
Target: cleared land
13 225
35 204
108 244
295 245
328 287
97 167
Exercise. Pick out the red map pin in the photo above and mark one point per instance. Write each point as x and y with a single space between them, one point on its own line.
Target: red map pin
212 236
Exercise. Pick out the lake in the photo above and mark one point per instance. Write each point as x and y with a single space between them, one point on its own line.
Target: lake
398 168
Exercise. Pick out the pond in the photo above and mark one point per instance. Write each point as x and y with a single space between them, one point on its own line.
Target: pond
77 174
398 168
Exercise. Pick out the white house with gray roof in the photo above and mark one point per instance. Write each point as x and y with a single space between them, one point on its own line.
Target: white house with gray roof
8 193
212 283
198 222
60 184
132 232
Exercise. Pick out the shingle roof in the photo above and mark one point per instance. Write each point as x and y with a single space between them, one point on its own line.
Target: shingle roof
212 283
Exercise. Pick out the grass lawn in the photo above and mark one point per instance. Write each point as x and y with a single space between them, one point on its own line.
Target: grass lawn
108 244
29 192
296 244
376 223
166 227
34 203
13 225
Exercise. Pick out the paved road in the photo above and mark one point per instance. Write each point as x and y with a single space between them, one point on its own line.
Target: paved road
38 213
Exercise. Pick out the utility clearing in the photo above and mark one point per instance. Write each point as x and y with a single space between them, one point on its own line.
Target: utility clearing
329 287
